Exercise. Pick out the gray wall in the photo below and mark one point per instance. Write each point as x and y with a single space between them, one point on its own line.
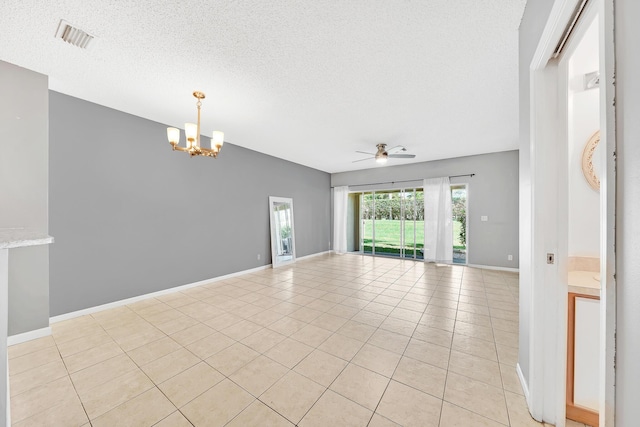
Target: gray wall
627 34
24 111
493 192
131 216
535 17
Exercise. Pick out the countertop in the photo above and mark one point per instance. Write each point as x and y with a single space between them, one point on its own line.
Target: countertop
584 282
18 237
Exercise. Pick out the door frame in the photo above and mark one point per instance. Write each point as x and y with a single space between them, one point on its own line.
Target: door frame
548 292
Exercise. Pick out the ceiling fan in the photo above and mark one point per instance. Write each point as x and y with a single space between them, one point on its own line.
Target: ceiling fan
381 156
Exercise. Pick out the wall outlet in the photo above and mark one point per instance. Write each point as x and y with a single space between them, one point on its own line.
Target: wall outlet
258 257
510 257
484 218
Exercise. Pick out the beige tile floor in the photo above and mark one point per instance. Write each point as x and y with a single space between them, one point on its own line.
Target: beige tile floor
331 341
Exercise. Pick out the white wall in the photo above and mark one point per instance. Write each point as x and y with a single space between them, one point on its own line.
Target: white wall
584 120
627 36
531 28
24 188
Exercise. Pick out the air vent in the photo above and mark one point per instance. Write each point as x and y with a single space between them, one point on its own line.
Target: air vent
73 35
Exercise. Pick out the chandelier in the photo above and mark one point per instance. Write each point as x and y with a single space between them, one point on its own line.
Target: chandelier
192 132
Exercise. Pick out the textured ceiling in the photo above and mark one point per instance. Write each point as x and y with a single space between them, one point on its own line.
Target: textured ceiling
310 81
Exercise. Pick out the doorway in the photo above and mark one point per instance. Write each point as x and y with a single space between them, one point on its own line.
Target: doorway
579 214
547 210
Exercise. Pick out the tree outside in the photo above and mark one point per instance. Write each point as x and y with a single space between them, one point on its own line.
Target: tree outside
459 214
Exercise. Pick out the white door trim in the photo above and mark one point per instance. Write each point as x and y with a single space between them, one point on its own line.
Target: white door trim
607 214
545 291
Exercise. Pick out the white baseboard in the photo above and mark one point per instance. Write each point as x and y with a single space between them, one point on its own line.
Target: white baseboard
28 336
493 267
90 310
8 418
523 384
314 255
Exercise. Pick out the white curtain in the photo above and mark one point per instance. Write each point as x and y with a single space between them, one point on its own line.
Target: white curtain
340 200
438 223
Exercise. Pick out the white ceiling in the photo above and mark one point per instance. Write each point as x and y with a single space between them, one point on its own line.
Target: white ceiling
310 81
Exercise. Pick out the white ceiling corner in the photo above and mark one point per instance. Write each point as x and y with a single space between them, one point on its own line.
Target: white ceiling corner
309 81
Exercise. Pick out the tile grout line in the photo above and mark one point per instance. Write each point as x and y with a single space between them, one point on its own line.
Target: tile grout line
446 378
71 380
504 395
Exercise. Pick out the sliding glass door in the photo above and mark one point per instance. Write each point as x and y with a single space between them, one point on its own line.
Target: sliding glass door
392 223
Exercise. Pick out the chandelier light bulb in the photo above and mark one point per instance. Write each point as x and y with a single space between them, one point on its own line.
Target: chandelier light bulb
173 134
191 130
217 140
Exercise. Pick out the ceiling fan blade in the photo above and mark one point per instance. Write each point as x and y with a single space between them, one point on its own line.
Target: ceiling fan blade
362 160
364 152
401 156
396 149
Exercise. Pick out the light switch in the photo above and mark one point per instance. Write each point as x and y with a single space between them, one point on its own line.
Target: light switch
484 218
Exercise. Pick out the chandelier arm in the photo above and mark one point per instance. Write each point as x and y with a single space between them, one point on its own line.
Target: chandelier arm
209 152
176 147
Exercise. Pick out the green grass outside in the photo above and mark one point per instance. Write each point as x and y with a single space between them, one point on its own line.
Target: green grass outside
388 235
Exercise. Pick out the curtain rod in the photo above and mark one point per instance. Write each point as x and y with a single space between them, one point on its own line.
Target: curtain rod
406 180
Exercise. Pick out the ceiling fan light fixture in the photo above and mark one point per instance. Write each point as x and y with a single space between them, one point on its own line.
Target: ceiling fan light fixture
381 160
382 155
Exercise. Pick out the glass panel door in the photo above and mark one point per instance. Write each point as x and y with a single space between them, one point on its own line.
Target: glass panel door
459 214
366 221
419 223
409 222
388 230
413 223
